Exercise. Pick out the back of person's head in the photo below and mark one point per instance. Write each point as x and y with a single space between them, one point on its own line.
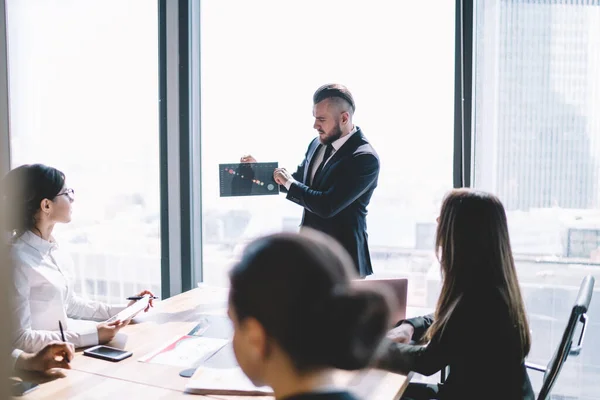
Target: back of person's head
23 190
338 94
475 254
296 288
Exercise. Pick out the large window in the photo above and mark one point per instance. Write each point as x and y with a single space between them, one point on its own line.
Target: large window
258 76
84 98
537 145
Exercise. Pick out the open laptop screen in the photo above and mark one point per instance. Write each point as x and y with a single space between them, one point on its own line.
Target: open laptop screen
399 286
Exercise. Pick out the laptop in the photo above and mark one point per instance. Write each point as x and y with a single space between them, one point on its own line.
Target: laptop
399 286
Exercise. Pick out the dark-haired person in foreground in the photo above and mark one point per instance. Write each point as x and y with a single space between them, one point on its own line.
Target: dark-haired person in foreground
335 181
479 328
35 200
296 321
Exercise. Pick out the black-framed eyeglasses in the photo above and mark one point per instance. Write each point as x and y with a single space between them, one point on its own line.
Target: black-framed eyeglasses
70 193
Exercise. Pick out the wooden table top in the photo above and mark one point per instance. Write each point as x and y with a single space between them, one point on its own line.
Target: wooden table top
83 385
92 378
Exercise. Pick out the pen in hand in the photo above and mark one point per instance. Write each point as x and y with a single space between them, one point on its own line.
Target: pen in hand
140 297
62 335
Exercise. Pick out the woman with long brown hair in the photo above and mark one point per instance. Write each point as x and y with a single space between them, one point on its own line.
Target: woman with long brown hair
479 328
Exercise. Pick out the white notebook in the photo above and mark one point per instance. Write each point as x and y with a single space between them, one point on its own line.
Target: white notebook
132 310
224 381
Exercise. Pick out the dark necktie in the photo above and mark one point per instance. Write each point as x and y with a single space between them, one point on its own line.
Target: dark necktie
328 151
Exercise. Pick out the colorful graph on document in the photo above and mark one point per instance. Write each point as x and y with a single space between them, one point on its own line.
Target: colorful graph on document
247 179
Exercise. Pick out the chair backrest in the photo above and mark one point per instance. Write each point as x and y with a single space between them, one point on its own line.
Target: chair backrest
566 348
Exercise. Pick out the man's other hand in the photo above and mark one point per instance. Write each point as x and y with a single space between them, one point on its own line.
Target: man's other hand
281 176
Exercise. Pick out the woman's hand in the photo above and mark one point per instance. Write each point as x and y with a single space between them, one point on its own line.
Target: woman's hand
402 333
53 355
108 330
143 292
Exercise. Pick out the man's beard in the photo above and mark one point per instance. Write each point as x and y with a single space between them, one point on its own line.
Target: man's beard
335 134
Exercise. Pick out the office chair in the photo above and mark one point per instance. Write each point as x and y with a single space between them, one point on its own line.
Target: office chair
566 348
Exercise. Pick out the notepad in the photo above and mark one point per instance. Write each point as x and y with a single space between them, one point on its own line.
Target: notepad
132 310
229 381
232 381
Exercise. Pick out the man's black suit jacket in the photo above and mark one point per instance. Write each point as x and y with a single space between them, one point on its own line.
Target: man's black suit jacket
336 202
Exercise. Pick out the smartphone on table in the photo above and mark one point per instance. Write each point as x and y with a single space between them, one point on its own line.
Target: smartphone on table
21 388
107 353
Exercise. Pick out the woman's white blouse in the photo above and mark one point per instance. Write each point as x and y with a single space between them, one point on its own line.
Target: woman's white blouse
43 295
14 356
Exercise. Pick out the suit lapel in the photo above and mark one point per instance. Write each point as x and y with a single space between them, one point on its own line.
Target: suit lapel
348 147
316 145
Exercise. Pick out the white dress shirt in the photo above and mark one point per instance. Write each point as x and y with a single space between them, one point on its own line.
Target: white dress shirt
43 295
320 153
14 356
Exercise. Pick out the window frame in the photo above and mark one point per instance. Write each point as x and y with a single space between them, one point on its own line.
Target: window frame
176 153
463 93
4 110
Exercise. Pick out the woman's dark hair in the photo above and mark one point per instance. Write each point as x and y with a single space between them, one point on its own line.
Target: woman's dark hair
23 189
298 287
476 257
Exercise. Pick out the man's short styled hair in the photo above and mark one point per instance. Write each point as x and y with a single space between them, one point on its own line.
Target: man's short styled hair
335 91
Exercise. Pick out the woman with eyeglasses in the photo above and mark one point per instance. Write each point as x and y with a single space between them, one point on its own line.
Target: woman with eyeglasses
35 199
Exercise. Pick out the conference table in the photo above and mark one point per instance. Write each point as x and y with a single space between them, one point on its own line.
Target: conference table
91 378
